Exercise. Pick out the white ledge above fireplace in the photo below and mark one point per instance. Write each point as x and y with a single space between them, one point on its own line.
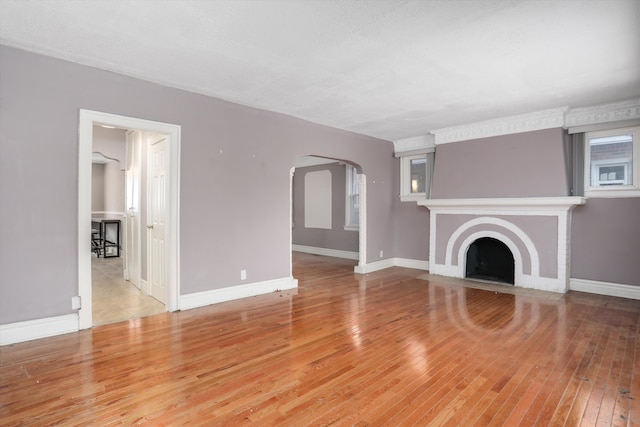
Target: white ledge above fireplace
542 203
535 229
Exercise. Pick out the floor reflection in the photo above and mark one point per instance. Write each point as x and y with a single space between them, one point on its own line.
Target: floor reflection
394 347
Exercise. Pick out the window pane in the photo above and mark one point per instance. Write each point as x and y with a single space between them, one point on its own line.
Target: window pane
611 160
418 175
352 214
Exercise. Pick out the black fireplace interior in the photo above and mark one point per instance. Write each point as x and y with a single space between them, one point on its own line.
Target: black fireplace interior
490 259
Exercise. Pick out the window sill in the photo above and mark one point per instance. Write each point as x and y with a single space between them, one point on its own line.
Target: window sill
351 228
413 197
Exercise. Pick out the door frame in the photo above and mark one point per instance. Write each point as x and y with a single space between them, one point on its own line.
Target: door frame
87 119
133 185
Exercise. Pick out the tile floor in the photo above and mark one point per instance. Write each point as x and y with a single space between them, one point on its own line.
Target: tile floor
115 299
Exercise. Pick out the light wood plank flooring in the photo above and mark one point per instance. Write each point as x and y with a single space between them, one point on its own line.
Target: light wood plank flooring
115 299
391 348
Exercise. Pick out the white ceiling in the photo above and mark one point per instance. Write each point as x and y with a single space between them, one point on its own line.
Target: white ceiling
391 69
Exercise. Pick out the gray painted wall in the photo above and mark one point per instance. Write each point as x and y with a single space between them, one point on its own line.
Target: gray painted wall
411 229
605 241
107 187
235 184
114 187
337 237
529 164
111 143
97 187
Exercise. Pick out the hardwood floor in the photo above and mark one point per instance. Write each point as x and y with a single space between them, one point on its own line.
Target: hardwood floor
390 348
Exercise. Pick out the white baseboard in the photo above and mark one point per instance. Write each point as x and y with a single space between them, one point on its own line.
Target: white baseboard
411 263
326 252
144 286
374 266
391 262
371 267
39 328
200 299
605 288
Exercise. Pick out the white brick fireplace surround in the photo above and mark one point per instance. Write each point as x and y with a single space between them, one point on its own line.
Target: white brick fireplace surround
536 230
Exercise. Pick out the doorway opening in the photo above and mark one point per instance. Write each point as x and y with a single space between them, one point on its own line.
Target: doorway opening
328 208
165 225
490 259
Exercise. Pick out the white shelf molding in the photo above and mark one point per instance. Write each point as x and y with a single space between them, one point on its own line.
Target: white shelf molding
522 205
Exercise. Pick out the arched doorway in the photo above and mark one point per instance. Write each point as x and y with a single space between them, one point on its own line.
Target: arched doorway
338 231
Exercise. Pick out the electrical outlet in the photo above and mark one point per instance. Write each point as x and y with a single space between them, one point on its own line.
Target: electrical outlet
76 303
243 274
381 254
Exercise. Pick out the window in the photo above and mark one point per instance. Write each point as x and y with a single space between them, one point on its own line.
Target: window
352 202
611 163
415 176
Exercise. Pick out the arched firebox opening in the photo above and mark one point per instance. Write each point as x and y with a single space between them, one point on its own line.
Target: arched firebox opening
490 259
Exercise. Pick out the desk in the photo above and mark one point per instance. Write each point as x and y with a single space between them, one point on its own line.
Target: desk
106 236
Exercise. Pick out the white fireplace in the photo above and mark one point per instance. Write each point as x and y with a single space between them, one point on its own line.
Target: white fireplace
537 231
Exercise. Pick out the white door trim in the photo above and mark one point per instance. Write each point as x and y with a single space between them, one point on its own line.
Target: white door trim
85 130
132 240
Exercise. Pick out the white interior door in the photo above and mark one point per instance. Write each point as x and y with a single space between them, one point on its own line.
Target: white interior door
156 207
132 270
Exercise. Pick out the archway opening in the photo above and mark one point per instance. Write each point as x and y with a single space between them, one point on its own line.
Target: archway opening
490 259
328 212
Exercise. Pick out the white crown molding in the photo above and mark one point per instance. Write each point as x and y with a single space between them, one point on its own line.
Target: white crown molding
562 117
545 119
606 113
417 143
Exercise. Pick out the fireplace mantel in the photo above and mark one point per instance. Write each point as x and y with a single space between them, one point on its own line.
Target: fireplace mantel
507 203
535 229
